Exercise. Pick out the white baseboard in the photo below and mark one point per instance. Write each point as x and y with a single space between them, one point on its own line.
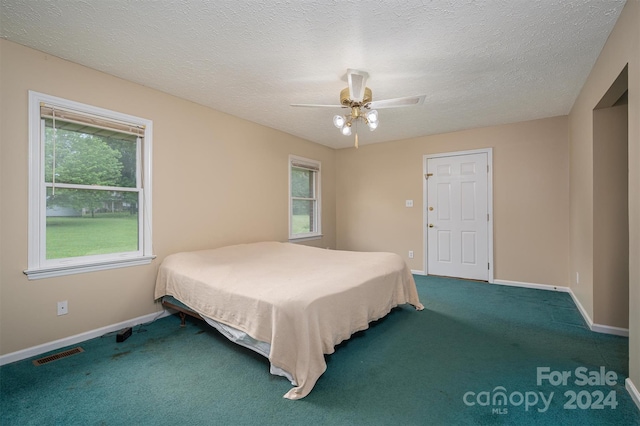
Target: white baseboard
532 285
72 340
598 328
608 329
633 391
582 310
416 272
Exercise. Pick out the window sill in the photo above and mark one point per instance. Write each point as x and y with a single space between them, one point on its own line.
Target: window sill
36 274
305 238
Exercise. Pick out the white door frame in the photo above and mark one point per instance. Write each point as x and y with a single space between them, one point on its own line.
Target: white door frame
425 158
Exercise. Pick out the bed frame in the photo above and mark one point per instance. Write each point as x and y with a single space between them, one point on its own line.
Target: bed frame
183 311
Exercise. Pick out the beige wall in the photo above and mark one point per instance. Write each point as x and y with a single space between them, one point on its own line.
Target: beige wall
530 187
217 180
622 48
610 217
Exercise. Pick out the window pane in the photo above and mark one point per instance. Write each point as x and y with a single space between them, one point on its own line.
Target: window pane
89 156
302 185
302 220
90 222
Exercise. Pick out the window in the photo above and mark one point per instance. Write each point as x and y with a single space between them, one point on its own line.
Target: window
89 188
304 198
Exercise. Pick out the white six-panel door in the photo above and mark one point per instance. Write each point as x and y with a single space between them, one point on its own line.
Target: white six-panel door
458 216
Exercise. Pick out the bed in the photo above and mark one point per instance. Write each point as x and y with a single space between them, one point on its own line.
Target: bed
290 302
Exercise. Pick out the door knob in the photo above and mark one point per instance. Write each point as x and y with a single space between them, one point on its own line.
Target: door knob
431 225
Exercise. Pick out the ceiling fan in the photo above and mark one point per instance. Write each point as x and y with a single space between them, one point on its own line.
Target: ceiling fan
358 98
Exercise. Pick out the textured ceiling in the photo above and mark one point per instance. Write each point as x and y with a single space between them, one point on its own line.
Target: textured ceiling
479 63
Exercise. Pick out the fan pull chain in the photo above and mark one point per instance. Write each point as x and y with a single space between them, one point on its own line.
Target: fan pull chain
356 144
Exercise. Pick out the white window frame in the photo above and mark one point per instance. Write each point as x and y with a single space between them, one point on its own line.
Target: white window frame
313 164
38 265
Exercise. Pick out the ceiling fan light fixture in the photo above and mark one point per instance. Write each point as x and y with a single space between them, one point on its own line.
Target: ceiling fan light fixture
345 122
358 98
372 116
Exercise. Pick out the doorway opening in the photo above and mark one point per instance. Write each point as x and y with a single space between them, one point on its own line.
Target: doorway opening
611 206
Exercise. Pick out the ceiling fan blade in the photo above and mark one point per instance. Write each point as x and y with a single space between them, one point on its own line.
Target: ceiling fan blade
317 106
357 82
397 102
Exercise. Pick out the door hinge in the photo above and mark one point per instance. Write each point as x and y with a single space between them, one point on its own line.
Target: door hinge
488 266
487 217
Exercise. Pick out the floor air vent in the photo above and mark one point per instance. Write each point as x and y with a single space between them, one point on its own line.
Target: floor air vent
57 356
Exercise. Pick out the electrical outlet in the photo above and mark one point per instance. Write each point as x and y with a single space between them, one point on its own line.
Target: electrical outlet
63 308
410 254
408 203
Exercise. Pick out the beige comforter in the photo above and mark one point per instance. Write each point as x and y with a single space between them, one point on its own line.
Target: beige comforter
302 300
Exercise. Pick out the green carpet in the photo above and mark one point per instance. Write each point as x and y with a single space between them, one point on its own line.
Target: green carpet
410 368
